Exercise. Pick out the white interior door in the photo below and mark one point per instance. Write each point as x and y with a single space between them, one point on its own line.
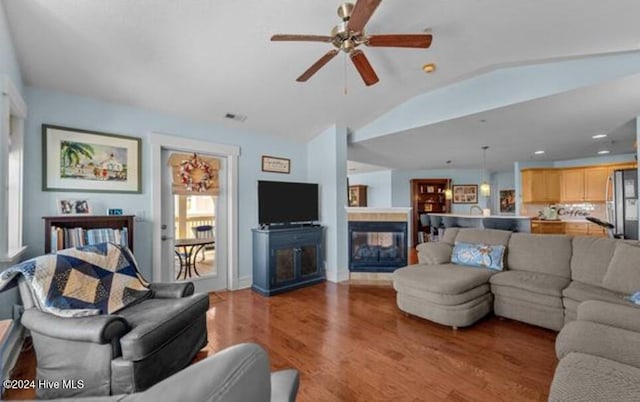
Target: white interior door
193 231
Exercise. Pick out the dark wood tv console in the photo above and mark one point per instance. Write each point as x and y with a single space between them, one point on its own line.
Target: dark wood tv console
287 258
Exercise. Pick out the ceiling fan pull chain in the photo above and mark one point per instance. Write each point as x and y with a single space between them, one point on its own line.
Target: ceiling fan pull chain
345 75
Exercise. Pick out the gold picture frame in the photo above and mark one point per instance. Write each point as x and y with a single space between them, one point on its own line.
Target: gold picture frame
273 164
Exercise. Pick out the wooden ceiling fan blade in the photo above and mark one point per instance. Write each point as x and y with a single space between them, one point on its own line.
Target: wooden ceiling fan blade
361 14
318 65
363 66
301 38
422 41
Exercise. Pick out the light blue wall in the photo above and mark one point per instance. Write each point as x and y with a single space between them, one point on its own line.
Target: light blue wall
595 160
401 186
327 165
378 187
8 59
86 113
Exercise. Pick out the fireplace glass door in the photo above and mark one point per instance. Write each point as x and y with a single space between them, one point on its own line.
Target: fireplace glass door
377 246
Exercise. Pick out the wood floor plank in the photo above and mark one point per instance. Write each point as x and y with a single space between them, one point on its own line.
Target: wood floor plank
351 343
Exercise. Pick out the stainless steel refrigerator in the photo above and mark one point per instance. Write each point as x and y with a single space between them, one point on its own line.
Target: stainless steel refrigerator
622 202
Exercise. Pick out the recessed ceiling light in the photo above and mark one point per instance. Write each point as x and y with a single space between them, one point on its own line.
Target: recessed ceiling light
603 152
539 152
598 136
429 68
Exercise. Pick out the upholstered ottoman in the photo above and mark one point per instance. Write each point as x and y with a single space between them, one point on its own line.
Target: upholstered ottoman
447 294
580 377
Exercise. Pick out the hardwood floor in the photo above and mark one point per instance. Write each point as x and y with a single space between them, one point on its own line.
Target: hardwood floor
351 343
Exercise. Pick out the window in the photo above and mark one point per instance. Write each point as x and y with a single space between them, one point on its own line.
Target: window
13 112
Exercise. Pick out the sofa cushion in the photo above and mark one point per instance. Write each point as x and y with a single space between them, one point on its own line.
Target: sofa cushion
155 322
547 254
483 236
446 278
612 314
450 235
460 315
531 298
591 258
580 292
531 281
444 299
434 253
623 273
600 340
478 255
582 377
532 313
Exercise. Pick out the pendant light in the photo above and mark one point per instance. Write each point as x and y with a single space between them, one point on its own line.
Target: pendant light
485 188
448 193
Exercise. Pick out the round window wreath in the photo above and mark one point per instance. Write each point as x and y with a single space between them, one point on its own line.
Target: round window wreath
186 174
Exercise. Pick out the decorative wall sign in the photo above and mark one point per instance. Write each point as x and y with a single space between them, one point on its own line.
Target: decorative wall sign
276 165
89 161
465 194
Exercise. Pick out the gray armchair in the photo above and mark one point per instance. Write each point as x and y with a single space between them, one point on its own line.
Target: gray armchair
237 374
125 352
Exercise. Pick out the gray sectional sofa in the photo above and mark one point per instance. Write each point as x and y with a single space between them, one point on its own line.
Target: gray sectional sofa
576 285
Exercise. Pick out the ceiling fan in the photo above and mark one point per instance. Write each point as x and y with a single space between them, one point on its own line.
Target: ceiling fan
350 34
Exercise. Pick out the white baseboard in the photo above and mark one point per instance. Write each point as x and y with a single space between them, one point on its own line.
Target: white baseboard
10 347
245 282
337 276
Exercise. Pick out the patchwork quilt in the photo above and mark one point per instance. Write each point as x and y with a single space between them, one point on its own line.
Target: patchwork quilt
90 280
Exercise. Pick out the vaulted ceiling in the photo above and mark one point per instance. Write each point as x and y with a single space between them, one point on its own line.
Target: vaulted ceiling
203 58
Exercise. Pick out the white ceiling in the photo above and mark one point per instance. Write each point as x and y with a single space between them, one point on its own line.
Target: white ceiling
203 58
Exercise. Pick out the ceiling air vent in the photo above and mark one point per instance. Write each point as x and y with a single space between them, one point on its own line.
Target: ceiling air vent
236 117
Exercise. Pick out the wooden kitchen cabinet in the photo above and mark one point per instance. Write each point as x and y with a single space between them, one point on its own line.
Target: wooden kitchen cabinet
547 227
584 184
576 228
572 183
595 182
540 186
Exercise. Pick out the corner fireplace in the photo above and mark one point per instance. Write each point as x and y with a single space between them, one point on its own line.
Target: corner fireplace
376 246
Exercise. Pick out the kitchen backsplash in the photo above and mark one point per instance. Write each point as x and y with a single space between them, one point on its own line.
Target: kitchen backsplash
568 212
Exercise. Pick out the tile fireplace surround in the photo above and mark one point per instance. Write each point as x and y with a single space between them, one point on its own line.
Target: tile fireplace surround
378 239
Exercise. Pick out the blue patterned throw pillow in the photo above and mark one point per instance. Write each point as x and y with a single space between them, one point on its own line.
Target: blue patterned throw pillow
478 255
635 298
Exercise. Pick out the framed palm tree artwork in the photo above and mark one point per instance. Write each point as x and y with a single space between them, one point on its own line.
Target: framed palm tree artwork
90 161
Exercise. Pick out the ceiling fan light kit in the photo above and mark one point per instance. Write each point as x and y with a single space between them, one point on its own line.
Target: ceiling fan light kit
349 35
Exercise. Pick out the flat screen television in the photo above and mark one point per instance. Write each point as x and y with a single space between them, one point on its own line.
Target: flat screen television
286 202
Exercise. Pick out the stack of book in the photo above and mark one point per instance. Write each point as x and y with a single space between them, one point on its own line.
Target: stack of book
62 238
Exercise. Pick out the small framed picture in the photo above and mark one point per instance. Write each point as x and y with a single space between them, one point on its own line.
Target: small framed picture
276 165
465 194
73 207
114 211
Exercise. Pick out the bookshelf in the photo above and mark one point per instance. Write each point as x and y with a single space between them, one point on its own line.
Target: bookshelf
427 195
87 222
